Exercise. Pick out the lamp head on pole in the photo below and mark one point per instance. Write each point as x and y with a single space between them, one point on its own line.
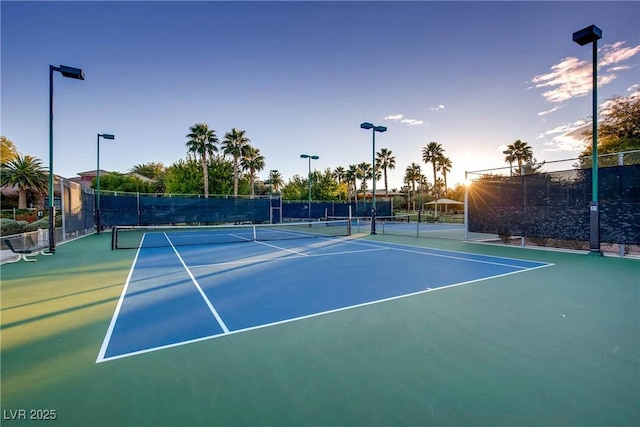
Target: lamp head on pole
107 136
366 125
587 35
380 129
71 72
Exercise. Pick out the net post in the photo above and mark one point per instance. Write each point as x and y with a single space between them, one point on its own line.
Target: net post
349 221
113 237
466 206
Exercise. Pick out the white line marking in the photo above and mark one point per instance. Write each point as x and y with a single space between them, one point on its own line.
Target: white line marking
280 322
195 282
107 337
287 258
279 248
452 256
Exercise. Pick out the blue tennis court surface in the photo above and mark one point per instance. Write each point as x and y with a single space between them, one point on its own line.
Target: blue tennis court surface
177 295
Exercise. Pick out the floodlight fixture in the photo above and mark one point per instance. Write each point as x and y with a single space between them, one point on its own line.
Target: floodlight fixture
592 34
73 73
587 35
367 125
98 220
310 157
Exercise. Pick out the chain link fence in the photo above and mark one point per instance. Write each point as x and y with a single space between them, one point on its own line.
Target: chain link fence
547 204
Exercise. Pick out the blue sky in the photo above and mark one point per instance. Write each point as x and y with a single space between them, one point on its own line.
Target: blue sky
299 77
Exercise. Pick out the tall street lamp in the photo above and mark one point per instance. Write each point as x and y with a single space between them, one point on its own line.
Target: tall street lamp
98 224
592 34
310 157
380 129
73 73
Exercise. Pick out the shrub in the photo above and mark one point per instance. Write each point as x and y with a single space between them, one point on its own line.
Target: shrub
43 223
9 226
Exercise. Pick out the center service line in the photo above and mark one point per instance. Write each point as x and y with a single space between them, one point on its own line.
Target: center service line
195 282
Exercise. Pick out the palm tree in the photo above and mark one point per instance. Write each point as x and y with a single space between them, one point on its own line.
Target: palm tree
521 152
364 173
411 175
351 176
509 158
201 143
386 160
252 161
276 180
26 173
430 154
234 144
340 174
444 166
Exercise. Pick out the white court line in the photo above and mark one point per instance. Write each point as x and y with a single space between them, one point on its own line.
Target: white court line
107 337
258 260
266 244
195 282
455 257
308 316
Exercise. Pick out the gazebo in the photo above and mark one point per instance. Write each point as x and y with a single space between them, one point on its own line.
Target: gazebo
445 202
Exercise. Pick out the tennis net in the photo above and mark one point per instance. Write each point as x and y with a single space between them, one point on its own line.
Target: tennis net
134 237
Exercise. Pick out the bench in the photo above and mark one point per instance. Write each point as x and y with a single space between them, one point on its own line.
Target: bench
31 249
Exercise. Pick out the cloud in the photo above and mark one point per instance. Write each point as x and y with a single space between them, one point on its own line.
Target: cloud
410 122
556 108
394 117
568 137
572 77
438 108
633 87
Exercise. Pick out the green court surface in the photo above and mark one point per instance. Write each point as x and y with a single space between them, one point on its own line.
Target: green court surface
555 346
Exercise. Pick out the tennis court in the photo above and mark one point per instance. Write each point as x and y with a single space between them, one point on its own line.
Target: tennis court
325 330
185 292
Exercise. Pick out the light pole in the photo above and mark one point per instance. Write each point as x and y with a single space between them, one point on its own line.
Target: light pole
73 73
310 157
592 34
105 136
380 129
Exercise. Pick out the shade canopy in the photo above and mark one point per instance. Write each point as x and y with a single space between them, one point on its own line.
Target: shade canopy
445 202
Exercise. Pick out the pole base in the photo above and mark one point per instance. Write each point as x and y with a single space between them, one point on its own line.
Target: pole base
595 253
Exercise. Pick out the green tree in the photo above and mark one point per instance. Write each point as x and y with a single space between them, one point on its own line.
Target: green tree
295 188
430 154
151 170
234 145
252 161
26 173
183 177
114 181
386 161
618 126
202 142
325 186
8 150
